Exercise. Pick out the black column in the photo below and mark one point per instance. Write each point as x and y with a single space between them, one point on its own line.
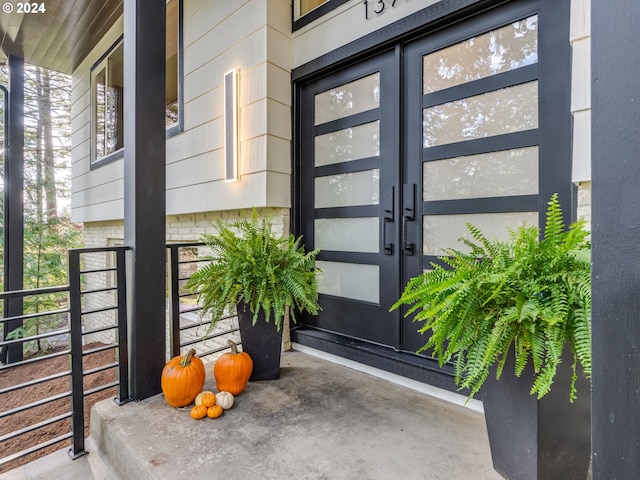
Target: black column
13 205
615 97
144 190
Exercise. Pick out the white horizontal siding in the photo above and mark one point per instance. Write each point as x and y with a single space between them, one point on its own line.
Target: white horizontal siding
344 25
95 194
219 35
580 34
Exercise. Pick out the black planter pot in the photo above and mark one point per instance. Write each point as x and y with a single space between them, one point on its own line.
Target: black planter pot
533 439
262 342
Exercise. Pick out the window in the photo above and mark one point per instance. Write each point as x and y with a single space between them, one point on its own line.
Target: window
307 5
107 90
306 11
174 42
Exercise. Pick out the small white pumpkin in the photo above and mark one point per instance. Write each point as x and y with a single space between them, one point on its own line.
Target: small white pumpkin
224 399
202 394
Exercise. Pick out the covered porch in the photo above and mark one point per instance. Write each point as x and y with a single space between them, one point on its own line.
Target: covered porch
320 417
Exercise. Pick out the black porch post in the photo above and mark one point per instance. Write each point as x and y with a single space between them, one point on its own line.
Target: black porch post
13 205
616 239
144 190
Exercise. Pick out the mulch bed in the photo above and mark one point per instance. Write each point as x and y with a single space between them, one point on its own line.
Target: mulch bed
40 369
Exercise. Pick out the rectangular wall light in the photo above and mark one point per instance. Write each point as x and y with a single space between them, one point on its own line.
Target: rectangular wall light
231 125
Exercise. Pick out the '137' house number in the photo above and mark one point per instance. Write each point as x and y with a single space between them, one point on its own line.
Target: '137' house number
377 7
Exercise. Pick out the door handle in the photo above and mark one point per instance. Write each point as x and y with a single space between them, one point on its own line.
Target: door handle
387 223
388 246
408 215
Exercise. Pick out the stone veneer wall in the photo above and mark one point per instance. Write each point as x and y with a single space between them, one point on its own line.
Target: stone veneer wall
180 228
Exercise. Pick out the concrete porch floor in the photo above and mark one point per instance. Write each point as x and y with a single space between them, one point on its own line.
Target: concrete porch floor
320 420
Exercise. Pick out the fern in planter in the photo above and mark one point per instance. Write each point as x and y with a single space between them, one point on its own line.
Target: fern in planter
525 295
250 264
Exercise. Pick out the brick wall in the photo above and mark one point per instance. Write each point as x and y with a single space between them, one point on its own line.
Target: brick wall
180 228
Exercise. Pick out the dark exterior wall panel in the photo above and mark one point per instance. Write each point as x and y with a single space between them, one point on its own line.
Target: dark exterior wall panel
616 239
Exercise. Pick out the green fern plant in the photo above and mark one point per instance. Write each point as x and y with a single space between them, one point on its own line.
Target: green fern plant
248 263
525 295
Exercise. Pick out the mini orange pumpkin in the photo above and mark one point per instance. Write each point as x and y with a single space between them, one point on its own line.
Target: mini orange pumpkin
198 412
232 370
208 400
182 379
214 411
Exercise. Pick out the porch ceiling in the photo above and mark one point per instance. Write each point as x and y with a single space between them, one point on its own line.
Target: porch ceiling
60 38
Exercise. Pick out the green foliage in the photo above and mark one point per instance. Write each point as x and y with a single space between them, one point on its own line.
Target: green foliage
525 295
45 265
249 263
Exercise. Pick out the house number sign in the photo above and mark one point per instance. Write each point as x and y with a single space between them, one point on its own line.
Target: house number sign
377 7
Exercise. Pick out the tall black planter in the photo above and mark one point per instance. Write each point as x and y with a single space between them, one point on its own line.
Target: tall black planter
262 342
533 439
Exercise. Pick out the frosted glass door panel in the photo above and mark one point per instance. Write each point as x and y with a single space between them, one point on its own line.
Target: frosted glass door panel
348 99
508 110
348 189
362 141
350 280
498 51
443 231
494 174
347 234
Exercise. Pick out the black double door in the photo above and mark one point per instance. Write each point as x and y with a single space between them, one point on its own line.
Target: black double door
396 153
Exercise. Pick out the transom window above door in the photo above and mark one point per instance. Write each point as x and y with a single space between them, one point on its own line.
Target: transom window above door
306 11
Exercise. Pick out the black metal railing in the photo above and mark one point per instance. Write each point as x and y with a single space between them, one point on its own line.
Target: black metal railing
183 260
70 329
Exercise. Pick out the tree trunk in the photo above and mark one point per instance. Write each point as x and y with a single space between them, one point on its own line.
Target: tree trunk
47 138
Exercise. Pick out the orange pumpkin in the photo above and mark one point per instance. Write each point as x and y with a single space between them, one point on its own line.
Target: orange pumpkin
198 412
208 400
214 411
182 379
232 370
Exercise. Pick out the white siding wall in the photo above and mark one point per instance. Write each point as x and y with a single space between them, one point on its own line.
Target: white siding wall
253 36
581 88
346 24
581 103
95 195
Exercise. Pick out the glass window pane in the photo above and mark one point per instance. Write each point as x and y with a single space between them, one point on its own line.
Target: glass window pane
347 234
100 110
348 99
443 231
171 90
495 174
348 189
348 144
501 50
503 111
349 280
114 100
307 5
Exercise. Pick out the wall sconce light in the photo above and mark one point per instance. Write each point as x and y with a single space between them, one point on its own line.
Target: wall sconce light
231 125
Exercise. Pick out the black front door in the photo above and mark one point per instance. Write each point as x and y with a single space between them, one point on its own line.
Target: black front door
398 152
349 197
